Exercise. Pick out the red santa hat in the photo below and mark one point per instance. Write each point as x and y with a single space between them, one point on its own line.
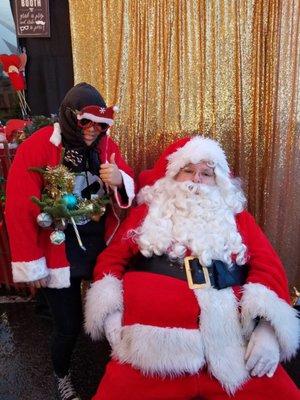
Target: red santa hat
98 114
182 152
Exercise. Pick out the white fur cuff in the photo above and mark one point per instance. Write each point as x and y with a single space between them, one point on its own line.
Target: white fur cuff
59 278
259 301
129 188
56 135
103 298
28 271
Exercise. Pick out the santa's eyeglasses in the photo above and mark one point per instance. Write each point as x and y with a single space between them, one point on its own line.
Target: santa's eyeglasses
85 123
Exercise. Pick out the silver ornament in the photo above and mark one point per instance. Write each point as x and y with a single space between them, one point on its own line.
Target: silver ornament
44 220
57 237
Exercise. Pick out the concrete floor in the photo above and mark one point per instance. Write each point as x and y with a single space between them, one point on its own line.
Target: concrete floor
25 366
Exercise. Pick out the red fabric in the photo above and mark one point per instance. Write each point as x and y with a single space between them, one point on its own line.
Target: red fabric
5 159
122 382
265 265
17 80
28 241
24 232
166 301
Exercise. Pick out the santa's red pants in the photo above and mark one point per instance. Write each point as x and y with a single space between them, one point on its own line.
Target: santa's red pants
122 382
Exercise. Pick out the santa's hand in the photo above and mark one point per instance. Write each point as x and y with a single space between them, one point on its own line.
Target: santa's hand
262 354
112 327
110 173
39 283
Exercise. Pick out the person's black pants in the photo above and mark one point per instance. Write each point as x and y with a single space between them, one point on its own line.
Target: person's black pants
66 308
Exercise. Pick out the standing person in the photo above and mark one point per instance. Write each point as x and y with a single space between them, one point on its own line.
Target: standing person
196 302
81 137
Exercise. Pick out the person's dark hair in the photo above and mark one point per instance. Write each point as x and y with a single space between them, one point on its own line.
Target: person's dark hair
81 95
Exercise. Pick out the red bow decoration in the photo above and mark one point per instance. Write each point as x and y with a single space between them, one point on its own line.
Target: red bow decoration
13 67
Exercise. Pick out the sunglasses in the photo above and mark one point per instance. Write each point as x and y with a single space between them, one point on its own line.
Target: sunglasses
87 123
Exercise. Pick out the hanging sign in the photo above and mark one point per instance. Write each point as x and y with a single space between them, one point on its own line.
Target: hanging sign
32 18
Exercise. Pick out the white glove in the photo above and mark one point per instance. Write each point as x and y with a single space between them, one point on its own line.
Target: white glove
262 354
112 327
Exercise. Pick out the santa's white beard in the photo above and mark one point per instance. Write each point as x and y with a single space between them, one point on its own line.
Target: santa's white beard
184 215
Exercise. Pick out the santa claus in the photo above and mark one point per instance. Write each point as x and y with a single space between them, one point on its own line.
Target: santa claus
191 296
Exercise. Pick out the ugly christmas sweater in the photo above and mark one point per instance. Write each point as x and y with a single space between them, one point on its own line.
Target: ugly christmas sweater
33 255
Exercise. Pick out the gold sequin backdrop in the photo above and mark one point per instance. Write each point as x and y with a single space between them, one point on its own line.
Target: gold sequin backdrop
227 68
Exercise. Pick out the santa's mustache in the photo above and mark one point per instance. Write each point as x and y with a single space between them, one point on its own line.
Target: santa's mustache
196 188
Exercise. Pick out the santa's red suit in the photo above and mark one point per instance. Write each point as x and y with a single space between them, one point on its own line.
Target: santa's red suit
179 343
33 255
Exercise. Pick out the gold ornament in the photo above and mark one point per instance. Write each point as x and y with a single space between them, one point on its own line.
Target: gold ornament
54 193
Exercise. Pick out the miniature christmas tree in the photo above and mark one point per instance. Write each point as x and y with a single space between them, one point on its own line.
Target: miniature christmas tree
60 205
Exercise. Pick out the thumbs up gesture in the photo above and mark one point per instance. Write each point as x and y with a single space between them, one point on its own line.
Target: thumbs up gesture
110 173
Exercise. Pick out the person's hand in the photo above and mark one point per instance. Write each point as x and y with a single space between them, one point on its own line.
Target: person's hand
262 354
110 173
39 283
112 327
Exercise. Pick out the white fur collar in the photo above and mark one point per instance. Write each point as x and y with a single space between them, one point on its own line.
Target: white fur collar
56 135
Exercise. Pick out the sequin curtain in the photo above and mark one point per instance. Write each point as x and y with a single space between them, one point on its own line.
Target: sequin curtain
227 68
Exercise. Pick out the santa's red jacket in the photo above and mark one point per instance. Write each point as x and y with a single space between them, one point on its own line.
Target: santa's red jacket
169 329
33 255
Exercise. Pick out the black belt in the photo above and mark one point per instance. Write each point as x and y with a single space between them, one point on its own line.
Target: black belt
218 275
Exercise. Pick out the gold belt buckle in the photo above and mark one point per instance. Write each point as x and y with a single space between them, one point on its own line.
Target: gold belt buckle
189 276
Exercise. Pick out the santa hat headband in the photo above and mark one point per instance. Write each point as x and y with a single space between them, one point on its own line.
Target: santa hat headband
182 152
98 114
